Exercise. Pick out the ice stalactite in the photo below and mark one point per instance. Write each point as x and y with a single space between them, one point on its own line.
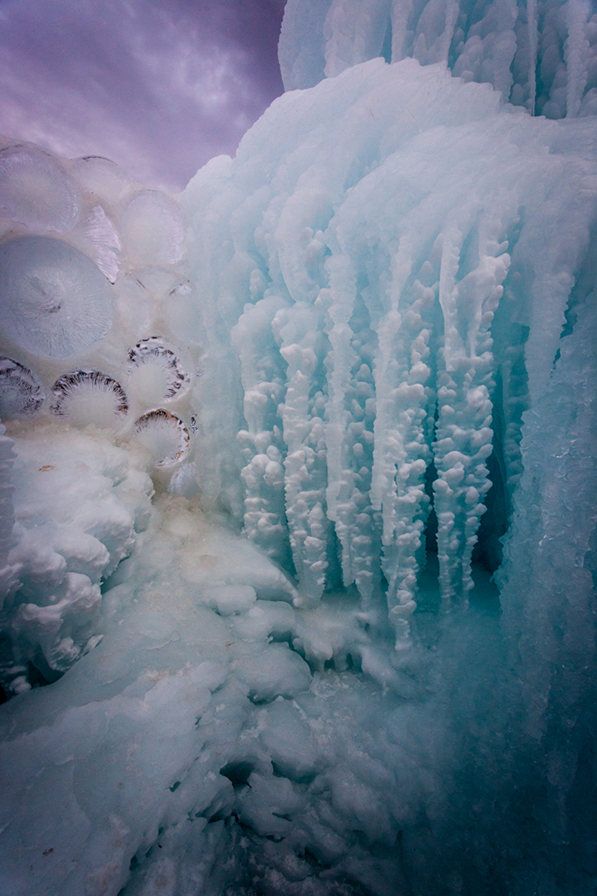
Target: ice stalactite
299 331
373 362
540 56
349 430
463 438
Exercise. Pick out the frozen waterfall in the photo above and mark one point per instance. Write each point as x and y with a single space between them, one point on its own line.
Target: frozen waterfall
298 481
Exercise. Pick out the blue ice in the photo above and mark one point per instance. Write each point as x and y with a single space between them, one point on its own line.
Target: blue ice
297 543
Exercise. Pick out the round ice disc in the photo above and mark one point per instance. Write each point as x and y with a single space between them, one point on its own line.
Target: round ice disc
53 300
153 228
102 177
36 191
89 396
21 392
155 372
165 435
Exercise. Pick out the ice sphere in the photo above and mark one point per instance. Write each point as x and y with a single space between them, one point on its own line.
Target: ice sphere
153 229
99 238
165 435
155 373
103 178
21 391
36 191
159 281
89 396
53 300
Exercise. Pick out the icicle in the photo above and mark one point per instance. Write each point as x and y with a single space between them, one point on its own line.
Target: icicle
464 435
533 44
349 431
298 330
8 573
340 361
355 32
400 446
401 11
263 448
576 55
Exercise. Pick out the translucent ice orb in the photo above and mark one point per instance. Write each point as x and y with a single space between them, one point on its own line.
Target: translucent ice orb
153 229
102 177
36 191
53 300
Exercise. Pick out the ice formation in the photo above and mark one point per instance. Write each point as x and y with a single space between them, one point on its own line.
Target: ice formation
297 542
540 55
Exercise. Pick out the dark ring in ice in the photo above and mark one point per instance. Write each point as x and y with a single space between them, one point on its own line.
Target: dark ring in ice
152 350
69 384
168 438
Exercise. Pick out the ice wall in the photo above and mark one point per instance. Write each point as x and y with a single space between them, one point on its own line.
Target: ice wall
265 447
540 55
395 295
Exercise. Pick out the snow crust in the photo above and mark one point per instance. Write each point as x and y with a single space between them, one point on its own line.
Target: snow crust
298 553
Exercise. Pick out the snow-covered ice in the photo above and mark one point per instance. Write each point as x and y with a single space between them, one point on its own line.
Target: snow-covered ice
297 527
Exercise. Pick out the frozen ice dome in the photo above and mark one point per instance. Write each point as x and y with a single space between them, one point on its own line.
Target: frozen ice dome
99 238
102 177
89 396
165 435
53 300
153 229
21 392
155 372
36 191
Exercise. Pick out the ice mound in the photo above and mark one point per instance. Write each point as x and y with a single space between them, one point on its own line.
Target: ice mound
164 435
155 373
80 295
192 710
79 503
542 56
298 554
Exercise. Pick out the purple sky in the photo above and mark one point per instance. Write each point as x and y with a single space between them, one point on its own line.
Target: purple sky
159 86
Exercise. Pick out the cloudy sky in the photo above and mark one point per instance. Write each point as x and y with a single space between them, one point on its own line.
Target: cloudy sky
159 86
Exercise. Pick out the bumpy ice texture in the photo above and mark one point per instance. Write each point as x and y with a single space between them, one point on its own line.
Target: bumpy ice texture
382 349
539 55
395 297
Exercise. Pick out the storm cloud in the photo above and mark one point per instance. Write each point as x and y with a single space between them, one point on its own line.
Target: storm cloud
159 86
